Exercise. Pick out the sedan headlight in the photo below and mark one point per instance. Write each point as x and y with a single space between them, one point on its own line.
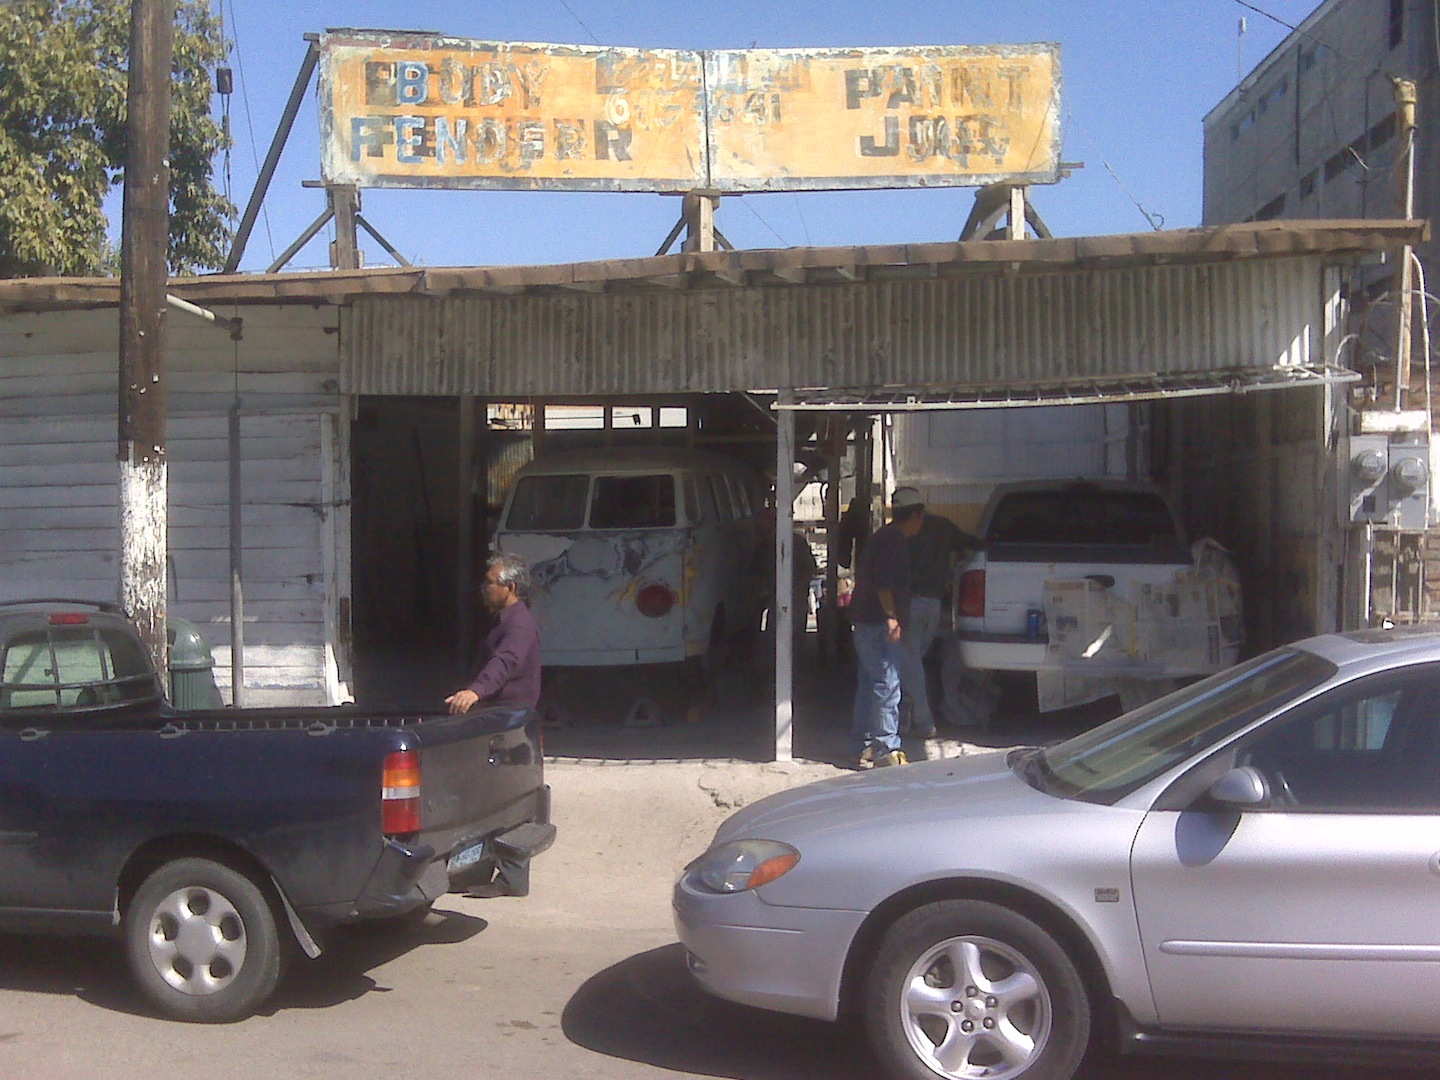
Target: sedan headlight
742 864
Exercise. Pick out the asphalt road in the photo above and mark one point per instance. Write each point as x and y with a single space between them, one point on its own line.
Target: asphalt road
580 979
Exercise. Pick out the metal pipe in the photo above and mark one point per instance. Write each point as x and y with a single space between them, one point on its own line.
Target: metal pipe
784 580
233 325
237 576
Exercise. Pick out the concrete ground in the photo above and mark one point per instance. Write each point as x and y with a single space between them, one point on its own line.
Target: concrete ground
601 720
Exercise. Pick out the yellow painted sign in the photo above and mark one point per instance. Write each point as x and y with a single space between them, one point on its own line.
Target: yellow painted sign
785 120
415 110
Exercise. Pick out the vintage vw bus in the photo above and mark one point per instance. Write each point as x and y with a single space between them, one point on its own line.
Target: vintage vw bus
637 556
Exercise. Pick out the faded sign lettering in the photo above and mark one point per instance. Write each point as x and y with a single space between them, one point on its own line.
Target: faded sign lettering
402 110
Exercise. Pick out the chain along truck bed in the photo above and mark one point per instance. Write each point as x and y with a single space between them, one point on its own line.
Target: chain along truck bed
1090 584
209 840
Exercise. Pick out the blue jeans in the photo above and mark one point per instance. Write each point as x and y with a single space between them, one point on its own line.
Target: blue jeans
914 644
877 690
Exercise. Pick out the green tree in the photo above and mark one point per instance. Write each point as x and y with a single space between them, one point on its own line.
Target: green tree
63 70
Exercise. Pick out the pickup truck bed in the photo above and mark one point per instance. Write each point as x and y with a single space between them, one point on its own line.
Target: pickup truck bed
1093 579
327 816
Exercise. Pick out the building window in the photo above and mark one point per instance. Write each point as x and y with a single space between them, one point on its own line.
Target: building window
1338 164
1308 57
1244 124
1397 22
1382 132
1272 209
1274 94
1307 184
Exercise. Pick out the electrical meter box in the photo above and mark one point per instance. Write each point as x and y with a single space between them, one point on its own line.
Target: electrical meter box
1390 480
1408 483
1369 465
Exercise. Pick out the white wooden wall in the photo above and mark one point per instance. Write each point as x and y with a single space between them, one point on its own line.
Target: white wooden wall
59 515
956 457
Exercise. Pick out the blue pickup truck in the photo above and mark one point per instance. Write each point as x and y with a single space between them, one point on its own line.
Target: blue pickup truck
214 840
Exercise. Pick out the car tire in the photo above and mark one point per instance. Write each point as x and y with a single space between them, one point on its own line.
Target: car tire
202 942
963 989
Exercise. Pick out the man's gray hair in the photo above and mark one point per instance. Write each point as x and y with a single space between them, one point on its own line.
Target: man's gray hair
511 572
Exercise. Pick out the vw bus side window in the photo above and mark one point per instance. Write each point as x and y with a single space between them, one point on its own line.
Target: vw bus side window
692 502
633 502
709 514
549 503
722 496
742 497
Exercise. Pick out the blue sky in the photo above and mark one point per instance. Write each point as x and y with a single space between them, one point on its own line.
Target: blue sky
1138 78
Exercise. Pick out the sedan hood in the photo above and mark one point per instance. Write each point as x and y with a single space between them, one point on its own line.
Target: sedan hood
979 784
864 837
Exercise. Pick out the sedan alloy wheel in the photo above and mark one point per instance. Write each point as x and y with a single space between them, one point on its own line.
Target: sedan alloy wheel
967 990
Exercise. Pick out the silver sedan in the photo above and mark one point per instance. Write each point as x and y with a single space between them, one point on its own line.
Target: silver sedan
1250 865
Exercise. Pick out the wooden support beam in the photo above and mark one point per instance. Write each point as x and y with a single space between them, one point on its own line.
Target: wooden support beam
345 205
699 216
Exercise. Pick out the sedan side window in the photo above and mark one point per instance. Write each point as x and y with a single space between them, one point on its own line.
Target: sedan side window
1371 748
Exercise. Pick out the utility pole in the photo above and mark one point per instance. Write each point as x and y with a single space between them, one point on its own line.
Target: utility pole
145 228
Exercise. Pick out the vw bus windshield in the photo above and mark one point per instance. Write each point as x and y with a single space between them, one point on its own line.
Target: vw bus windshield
633 502
549 503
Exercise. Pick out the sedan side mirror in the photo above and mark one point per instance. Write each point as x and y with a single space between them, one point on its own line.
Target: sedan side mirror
1241 788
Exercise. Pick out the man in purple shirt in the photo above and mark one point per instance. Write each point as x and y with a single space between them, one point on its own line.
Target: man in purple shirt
508 661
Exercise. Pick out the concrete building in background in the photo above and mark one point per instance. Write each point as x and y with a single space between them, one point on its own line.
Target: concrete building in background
1311 132
1319 129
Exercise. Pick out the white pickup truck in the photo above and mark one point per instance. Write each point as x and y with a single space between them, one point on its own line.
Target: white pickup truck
1093 580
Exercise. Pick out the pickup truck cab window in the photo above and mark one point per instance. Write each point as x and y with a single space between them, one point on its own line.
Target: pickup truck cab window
1082 516
64 667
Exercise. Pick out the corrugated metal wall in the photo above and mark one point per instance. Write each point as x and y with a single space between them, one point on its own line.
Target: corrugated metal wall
1082 324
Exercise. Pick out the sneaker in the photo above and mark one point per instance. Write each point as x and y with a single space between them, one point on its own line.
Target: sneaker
894 757
867 757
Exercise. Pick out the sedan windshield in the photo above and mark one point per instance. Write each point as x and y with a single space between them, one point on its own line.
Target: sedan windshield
1116 758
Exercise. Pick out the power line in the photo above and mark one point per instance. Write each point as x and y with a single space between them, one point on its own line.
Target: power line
764 222
565 4
249 120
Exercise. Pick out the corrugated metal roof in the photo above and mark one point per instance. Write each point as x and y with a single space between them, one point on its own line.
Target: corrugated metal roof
765 268
1064 326
877 322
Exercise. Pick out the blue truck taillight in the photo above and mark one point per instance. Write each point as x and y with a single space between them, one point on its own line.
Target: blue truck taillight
400 794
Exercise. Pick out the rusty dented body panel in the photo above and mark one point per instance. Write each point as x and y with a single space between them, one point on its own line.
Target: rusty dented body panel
586 582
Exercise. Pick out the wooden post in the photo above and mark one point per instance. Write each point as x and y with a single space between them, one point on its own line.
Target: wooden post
1015 219
465 548
699 215
145 226
345 204
830 643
